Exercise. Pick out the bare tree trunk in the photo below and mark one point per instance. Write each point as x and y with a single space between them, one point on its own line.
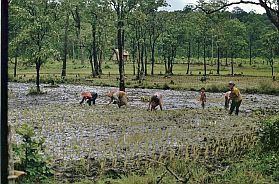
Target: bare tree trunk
145 60
189 56
15 64
95 54
120 41
226 57
142 58
198 51
218 60
232 64
152 58
101 55
76 17
123 49
166 67
139 60
250 49
38 66
10 153
91 61
204 58
63 74
134 57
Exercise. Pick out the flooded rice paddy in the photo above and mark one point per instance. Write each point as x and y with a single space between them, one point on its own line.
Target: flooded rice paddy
72 131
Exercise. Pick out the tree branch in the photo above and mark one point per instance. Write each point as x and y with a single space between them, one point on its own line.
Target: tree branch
269 10
261 3
182 180
269 14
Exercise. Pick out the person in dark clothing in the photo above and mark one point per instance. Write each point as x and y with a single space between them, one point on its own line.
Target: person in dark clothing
89 96
155 100
203 97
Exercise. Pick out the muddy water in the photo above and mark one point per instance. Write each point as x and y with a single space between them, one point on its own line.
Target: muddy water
66 126
70 94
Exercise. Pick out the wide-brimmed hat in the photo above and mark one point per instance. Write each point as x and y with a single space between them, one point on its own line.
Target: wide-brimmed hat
231 83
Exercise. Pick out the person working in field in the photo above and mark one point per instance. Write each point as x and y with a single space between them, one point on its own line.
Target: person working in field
118 97
235 97
227 99
155 100
203 97
89 96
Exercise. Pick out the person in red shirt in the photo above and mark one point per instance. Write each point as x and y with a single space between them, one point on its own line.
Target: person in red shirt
89 96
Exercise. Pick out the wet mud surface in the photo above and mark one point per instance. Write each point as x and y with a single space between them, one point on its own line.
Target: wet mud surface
70 94
72 131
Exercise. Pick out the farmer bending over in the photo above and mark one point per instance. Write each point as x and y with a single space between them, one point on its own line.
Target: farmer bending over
89 96
118 97
227 99
155 100
235 97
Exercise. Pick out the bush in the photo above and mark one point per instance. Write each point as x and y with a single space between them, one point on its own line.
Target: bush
166 86
33 91
31 155
216 88
269 135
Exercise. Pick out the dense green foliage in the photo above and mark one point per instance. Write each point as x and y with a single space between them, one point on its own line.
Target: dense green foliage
148 34
31 156
268 135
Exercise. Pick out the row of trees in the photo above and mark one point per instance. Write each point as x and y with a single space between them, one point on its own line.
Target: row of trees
89 29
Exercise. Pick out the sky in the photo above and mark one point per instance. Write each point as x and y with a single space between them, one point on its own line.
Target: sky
179 5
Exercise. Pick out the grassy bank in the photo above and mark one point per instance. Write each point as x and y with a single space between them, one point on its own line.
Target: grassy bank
255 164
252 80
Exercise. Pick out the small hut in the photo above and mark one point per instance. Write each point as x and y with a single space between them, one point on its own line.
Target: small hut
115 55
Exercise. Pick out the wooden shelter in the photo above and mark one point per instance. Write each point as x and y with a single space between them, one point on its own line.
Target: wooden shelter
115 55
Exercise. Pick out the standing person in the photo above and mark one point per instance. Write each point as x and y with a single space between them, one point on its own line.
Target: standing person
227 99
89 96
203 97
235 97
118 97
155 100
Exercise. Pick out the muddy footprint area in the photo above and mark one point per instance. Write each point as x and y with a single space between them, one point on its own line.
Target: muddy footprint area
104 131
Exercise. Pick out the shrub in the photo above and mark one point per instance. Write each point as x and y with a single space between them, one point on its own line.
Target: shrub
33 91
216 88
166 86
269 135
31 155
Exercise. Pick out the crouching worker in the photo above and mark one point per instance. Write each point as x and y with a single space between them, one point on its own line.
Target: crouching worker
235 97
89 96
118 97
227 99
155 100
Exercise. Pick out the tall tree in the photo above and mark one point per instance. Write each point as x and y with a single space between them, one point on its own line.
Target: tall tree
66 6
76 14
122 8
40 19
17 37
